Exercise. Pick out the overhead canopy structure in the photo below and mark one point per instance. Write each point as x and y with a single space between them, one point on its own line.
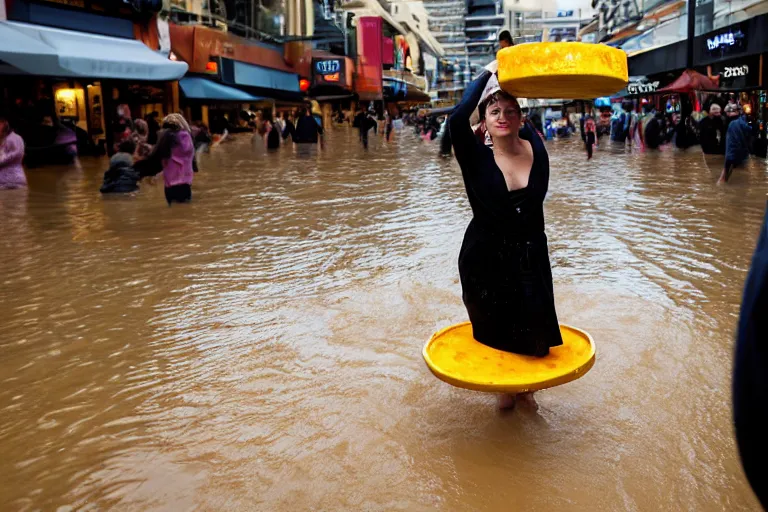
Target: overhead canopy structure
46 51
396 89
691 81
199 88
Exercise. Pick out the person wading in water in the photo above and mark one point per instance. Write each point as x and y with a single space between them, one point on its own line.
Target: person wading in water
504 265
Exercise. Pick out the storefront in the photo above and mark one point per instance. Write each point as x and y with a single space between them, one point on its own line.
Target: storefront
230 69
62 87
735 57
230 76
404 87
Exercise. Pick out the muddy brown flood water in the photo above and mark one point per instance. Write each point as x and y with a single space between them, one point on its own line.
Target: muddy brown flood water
260 348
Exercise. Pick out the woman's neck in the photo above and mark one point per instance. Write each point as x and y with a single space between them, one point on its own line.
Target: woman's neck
509 145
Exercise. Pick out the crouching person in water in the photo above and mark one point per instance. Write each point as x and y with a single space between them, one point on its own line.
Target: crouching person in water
174 156
506 278
121 177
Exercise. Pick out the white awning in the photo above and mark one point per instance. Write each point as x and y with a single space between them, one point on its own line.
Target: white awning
45 51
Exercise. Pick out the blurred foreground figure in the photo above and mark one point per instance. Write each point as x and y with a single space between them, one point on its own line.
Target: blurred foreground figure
750 379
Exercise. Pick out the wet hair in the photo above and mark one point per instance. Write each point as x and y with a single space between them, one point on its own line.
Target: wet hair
127 146
142 128
175 122
504 35
495 98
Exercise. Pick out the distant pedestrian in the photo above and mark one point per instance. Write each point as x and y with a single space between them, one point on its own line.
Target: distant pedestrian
363 124
140 136
11 155
308 131
590 136
712 132
271 132
289 129
174 156
736 147
121 177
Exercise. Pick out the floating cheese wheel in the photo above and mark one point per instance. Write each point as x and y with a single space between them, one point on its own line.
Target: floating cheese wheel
562 70
455 357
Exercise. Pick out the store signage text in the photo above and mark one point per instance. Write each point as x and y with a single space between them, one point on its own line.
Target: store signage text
721 40
642 88
328 67
724 43
734 71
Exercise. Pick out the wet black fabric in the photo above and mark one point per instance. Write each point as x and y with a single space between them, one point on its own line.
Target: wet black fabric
589 139
289 130
712 135
178 194
750 377
273 138
504 263
307 131
121 177
653 133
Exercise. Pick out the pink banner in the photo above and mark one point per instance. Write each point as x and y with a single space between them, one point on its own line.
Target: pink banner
388 51
369 52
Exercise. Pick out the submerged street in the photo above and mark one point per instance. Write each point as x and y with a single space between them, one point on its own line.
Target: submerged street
260 348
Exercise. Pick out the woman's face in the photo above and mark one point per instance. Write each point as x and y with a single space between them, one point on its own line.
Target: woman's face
502 117
3 128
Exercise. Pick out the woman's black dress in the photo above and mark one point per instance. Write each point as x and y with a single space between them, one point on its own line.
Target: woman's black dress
504 263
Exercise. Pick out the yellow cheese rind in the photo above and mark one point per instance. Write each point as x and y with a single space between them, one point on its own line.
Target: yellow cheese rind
562 70
454 356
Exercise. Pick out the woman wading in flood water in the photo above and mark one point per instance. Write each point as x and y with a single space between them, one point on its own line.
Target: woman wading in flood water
504 265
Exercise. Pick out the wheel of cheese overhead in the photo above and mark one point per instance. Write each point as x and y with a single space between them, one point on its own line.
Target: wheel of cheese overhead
562 70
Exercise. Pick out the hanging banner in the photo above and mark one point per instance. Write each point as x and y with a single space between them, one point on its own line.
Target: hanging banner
403 59
368 84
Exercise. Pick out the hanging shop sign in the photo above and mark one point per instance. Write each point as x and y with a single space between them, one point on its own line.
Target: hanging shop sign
731 41
739 73
327 67
642 87
329 72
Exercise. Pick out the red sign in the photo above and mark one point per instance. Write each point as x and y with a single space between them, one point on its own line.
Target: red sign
369 51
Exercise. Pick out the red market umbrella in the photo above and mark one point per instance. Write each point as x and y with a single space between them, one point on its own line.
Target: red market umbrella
690 81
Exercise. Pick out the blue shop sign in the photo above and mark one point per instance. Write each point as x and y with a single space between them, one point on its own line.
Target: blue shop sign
728 42
328 67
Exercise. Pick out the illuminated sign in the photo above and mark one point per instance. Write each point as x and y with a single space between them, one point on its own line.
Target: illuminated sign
721 40
726 43
328 67
329 72
642 88
734 71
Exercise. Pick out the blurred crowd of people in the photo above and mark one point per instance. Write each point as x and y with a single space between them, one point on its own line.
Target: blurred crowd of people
722 127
